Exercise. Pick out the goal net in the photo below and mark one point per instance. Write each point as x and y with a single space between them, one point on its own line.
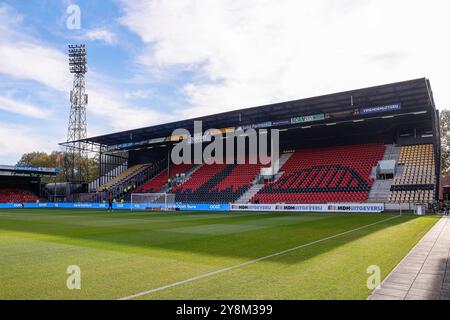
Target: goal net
153 201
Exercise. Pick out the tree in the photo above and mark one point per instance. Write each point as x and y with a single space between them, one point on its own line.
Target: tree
35 159
445 142
56 160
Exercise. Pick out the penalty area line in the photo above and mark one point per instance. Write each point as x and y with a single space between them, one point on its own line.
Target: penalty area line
243 264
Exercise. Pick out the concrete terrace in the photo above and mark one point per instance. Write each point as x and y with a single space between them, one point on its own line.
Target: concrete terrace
424 274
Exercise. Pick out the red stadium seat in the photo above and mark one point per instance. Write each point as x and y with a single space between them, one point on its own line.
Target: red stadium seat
321 175
217 183
17 195
157 182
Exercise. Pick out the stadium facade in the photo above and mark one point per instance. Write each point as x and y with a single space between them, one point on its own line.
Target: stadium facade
373 145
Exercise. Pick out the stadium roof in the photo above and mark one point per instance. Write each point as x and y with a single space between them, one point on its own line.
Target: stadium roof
414 95
26 170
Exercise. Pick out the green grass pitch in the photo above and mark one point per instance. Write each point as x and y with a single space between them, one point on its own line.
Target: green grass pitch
124 253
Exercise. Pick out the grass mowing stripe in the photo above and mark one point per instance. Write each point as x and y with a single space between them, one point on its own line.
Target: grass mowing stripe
133 217
212 273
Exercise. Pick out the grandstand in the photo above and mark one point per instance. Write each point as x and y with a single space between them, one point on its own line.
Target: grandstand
157 183
125 177
417 182
23 184
17 195
217 183
374 145
322 175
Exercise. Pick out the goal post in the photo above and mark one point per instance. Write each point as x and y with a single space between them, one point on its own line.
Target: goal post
153 201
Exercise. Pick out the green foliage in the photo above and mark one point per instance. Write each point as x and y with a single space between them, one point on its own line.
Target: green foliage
89 166
122 254
445 142
37 159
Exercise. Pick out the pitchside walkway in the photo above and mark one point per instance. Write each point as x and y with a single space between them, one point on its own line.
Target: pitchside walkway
424 274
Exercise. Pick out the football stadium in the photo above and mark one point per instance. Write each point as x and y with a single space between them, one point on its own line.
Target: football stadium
330 197
224 158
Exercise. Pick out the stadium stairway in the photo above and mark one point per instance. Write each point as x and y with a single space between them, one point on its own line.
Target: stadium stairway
379 192
159 181
392 153
284 157
257 185
166 188
95 184
217 183
122 177
254 189
135 178
192 170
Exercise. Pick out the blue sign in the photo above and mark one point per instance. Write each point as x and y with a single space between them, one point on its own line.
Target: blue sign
120 206
38 169
179 206
30 169
203 207
279 123
380 109
10 205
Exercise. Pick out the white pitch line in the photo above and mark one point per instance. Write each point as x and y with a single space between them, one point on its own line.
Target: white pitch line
209 274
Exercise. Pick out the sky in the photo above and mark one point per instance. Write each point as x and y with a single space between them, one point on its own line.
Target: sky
151 62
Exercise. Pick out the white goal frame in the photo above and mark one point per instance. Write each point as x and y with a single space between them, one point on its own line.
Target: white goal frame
153 201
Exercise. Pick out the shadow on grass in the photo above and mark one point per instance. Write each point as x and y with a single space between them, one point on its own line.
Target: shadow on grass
242 236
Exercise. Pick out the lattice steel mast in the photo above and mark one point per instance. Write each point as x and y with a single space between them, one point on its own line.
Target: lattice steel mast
77 129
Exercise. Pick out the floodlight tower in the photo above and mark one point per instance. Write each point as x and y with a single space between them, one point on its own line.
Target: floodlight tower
77 129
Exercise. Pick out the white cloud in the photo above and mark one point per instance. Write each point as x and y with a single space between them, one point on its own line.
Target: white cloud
23 57
22 108
246 53
101 35
241 53
114 113
9 18
27 58
21 139
31 61
139 94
